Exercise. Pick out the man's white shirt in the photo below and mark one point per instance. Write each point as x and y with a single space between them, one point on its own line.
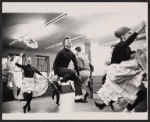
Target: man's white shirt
10 65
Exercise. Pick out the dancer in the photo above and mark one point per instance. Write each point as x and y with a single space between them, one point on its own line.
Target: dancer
122 52
84 69
28 82
8 70
61 69
53 80
123 84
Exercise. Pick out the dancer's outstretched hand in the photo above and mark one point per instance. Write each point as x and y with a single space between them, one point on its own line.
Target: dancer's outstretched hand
142 26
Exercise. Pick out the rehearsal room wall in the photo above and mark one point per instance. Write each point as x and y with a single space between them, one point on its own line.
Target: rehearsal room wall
138 44
31 53
98 56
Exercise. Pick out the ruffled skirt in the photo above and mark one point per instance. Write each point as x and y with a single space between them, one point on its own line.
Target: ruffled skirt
123 82
37 86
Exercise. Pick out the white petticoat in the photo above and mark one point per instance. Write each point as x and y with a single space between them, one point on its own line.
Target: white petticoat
28 84
123 81
37 86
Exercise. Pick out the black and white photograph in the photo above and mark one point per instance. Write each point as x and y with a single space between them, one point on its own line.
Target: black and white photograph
74 61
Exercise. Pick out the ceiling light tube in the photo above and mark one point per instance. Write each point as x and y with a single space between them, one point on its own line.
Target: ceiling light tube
50 22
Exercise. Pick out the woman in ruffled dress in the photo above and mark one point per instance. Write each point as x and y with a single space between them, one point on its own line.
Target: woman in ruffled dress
124 76
123 84
28 84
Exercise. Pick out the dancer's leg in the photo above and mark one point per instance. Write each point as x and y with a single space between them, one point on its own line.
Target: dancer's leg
69 74
84 80
28 98
140 96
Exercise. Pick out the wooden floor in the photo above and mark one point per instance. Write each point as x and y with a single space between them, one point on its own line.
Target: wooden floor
47 105
67 104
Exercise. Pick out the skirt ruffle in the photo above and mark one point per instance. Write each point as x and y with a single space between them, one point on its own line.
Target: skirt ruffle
123 81
37 86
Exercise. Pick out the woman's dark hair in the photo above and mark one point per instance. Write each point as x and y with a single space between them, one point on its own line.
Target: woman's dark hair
78 49
11 54
121 31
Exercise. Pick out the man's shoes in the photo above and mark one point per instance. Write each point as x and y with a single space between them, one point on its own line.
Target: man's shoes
100 105
80 101
85 96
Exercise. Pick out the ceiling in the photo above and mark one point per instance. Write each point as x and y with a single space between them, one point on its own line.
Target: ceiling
98 26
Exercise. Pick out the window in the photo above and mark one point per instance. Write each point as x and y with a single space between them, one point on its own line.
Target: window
42 65
4 59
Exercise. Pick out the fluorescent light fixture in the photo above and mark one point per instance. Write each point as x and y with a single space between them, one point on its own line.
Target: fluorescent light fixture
34 28
56 19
